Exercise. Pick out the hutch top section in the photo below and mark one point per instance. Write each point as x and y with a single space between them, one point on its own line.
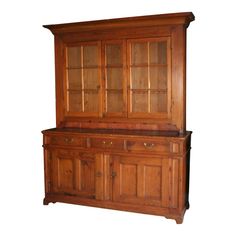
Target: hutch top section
126 73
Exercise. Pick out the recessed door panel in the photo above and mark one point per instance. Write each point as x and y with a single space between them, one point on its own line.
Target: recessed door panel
80 174
140 180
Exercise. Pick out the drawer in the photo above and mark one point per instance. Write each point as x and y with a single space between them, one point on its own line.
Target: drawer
153 146
106 143
66 140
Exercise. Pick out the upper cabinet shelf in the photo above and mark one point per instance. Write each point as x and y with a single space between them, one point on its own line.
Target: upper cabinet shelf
126 73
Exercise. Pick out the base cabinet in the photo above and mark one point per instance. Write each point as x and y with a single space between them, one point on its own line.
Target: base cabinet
107 172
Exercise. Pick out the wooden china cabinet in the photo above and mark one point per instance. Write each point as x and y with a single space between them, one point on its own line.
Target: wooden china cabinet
120 140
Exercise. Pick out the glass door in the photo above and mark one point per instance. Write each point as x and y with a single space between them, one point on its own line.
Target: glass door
83 79
149 90
114 79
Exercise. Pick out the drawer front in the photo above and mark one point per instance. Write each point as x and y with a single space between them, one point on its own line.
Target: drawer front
150 146
104 143
153 146
67 140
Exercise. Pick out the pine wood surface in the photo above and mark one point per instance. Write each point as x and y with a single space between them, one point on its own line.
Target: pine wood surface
120 140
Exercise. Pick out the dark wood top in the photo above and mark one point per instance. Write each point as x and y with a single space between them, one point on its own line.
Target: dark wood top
109 132
183 18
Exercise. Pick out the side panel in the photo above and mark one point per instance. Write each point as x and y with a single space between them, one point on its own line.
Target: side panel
60 75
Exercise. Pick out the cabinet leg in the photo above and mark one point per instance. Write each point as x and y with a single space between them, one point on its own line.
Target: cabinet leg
179 220
187 205
45 202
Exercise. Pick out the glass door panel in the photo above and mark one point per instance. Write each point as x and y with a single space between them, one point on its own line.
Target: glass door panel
91 101
149 77
74 57
158 77
158 102
158 52
74 79
114 101
114 54
91 78
90 55
139 77
115 83
84 79
139 101
139 53
75 101
114 78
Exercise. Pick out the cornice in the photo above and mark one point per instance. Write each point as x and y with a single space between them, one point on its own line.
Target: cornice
183 18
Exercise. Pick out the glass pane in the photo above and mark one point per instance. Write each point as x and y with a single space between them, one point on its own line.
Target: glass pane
90 55
158 52
158 102
91 101
74 57
75 101
114 78
90 78
158 77
139 53
114 101
139 101
139 77
114 54
74 79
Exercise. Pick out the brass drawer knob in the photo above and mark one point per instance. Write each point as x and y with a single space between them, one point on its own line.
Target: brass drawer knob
148 145
107 143
68 140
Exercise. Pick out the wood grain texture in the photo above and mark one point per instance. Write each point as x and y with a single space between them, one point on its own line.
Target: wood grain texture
120 140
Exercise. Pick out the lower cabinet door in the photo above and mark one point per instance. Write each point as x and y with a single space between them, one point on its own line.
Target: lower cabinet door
77 173
140 180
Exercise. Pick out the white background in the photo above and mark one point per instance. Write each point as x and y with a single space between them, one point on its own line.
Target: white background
27 101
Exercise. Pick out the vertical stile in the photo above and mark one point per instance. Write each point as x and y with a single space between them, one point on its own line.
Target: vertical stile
82 77
149 83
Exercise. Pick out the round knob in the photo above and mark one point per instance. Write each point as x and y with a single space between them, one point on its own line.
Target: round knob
69 140
148 145
107 143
